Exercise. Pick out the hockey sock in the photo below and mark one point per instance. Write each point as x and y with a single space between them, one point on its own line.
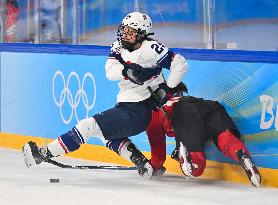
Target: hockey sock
116 144
65 144
229 144
78 135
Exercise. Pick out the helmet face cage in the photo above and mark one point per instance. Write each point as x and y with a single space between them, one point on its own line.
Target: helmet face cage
141 23
121 31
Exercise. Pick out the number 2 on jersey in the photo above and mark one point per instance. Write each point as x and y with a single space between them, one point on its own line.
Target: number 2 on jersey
158 47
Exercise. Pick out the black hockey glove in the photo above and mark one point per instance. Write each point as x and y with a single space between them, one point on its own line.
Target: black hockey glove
137 74
180 89
163 94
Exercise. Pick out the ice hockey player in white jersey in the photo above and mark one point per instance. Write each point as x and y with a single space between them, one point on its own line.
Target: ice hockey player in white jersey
136 61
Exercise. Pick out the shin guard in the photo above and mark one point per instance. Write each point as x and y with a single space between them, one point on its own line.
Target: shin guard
229 144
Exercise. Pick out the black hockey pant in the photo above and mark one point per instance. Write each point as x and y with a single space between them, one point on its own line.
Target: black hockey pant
196 121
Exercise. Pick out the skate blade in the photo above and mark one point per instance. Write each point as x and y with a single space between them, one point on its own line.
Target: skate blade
28 157
186 169
255 180
184 164
148 174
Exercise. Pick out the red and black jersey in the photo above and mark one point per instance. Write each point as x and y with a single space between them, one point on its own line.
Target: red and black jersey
196 120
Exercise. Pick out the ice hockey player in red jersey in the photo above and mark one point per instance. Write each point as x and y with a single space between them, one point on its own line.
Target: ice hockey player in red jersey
193 121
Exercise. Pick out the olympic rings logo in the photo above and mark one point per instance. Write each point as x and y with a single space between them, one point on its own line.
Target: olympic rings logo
73 99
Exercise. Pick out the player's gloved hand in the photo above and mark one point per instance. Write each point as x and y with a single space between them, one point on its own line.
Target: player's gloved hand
163 93
180 89
137 74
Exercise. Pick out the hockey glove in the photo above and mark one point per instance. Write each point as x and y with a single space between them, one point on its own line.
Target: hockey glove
163 93
180 89
137 74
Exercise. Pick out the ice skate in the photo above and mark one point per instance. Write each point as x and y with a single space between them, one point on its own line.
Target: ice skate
144 168
249 167
34 155
185 160
159 172
130 152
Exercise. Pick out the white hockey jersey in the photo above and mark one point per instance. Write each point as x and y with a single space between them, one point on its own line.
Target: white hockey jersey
151 55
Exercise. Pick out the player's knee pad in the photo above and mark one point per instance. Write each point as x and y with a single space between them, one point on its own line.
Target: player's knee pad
198 160
86 128
71 140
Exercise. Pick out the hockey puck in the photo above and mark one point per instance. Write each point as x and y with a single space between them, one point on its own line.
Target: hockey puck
54 180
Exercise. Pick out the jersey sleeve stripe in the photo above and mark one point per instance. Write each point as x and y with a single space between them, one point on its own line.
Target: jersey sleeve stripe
166 60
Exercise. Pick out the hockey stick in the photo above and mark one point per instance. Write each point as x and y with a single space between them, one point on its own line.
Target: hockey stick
61 165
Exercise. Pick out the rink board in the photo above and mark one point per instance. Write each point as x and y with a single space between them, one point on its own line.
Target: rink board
45 90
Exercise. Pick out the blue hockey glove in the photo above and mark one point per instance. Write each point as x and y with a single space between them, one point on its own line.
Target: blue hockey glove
137 74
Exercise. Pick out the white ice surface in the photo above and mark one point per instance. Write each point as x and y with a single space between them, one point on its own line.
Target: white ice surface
20 185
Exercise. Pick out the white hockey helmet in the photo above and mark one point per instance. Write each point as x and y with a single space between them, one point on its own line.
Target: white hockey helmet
138 21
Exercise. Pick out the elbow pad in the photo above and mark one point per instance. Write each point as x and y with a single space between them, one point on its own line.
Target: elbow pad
178 68
114 69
